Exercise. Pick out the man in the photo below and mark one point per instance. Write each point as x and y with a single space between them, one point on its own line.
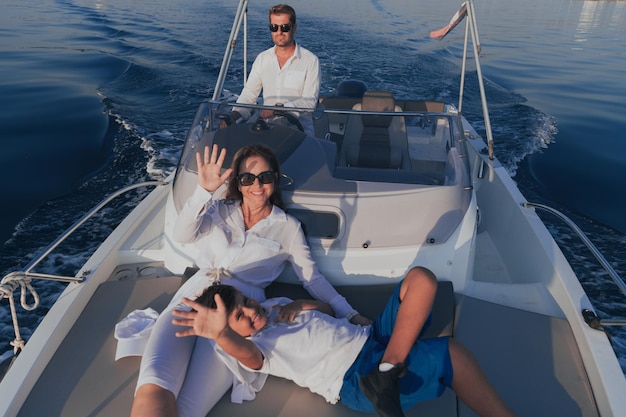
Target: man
288 74
378 367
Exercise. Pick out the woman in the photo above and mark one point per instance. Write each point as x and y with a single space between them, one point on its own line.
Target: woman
245 240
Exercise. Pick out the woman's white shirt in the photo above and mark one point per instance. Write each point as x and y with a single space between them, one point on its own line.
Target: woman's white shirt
254 258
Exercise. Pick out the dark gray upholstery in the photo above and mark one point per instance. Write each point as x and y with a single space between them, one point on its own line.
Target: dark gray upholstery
375 141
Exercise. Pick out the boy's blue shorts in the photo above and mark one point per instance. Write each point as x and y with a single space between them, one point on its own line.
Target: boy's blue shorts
429 369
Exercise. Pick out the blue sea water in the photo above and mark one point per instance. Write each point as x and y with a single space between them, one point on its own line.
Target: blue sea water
96 95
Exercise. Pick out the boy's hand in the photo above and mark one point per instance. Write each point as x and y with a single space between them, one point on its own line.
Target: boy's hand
288 312
205 321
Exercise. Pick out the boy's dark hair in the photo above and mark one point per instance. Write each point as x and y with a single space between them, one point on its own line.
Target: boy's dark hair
227 292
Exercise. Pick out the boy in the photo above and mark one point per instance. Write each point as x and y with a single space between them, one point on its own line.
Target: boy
381 366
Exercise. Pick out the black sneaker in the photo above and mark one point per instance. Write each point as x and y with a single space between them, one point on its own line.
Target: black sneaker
381 388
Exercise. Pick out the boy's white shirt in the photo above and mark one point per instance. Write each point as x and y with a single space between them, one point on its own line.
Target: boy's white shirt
299 351
246 383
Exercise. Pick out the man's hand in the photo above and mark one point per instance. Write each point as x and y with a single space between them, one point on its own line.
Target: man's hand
234 116
267 114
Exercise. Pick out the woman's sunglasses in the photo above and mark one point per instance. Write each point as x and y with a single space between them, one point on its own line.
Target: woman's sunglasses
284 27
246 179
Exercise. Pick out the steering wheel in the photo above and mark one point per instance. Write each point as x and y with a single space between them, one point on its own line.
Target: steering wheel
225 118
290 118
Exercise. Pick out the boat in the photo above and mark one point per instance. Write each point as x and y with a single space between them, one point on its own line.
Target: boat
384 184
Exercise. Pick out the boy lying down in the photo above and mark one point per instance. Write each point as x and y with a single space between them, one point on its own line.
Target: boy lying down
380 367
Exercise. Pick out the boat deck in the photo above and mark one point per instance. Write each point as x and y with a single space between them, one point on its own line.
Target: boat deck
83 379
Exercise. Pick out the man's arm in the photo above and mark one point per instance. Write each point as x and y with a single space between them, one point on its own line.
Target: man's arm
250 92
213 324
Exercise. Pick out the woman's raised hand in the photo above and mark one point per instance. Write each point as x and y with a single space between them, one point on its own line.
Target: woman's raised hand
210 176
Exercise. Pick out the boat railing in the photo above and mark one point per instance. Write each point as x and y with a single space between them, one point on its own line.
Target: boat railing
23 278
319 112
588 315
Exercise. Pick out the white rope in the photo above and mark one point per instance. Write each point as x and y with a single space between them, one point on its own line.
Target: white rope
216 274
7 287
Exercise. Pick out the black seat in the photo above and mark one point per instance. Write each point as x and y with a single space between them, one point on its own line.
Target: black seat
375 141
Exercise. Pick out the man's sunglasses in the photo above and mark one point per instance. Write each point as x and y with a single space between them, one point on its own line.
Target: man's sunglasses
284 27
246 179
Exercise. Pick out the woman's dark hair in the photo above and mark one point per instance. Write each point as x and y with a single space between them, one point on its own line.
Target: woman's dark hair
227 292
232 191
284 9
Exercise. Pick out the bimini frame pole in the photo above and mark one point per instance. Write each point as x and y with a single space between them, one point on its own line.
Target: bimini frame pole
463 65
242 12
472 27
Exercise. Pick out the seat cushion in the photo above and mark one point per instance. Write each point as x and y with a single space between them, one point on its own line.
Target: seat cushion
374 155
